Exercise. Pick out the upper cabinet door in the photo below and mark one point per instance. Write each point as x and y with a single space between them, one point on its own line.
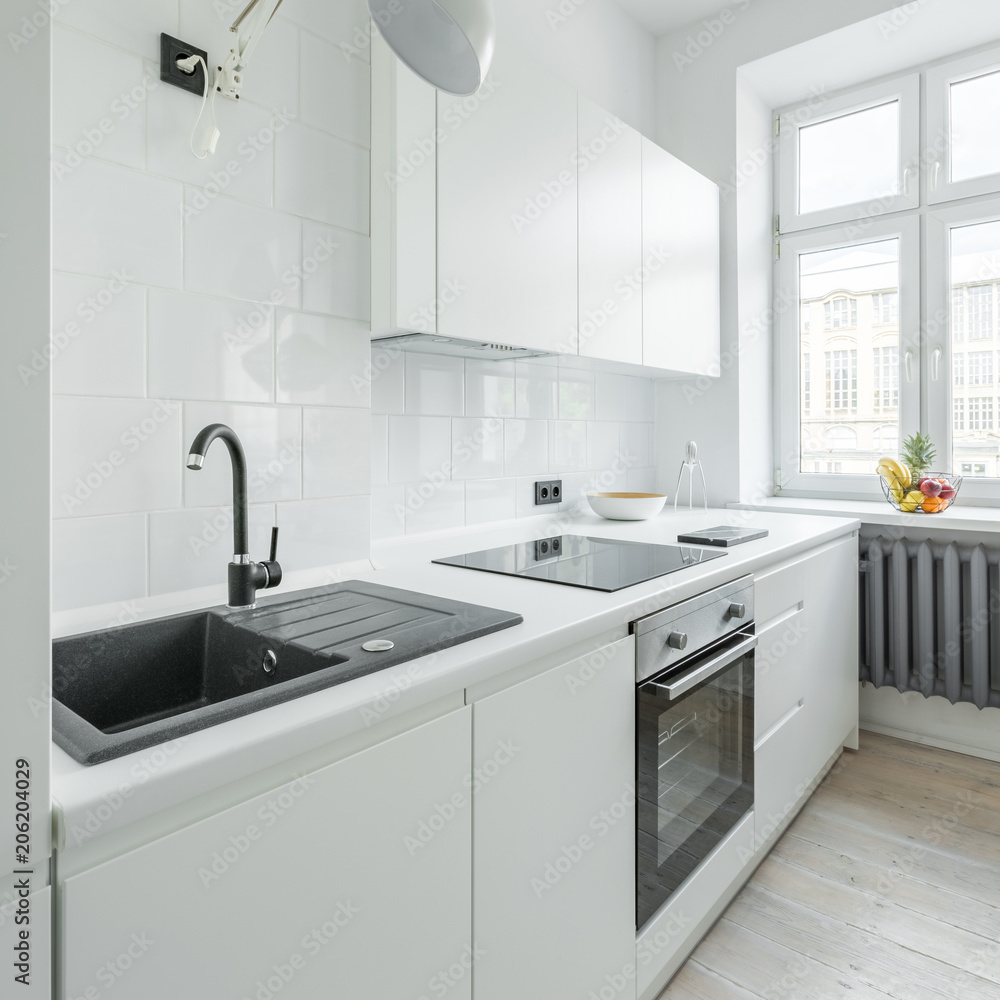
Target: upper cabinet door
507 191
680 237
610 218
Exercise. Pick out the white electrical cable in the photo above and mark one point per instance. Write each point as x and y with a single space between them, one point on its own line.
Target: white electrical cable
212 138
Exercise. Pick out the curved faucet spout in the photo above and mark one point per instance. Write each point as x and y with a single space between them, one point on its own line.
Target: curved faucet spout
196 459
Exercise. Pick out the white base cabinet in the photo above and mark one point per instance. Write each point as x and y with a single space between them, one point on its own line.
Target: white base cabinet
353 881
554 832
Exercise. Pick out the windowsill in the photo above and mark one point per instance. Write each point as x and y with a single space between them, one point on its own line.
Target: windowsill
960 518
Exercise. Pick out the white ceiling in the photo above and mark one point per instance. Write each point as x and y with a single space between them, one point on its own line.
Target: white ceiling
661 16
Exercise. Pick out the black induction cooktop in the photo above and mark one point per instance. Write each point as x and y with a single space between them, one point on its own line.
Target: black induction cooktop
583 561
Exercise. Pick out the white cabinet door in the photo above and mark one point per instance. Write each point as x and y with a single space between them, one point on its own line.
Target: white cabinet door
680 235
554 832
610 220
353 881
507 188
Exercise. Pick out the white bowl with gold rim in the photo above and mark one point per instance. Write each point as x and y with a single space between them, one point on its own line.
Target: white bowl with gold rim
626 506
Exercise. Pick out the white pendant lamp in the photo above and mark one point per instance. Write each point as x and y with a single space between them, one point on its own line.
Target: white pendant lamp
447 42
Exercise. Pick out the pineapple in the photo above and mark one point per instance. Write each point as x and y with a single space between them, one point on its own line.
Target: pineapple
918 454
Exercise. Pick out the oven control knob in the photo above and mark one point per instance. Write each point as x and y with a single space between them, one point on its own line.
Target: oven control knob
677 640
737 611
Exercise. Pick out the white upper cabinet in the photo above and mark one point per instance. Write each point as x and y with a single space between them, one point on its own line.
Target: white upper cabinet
680 243
609 162
507 192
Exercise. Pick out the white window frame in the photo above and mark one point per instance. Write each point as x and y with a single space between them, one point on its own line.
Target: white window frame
940 187
793 482
905 89
938 339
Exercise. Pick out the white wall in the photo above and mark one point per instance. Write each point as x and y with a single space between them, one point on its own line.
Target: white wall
697 102
458 442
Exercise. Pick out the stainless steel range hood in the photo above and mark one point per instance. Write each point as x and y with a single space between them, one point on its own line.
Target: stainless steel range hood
432 343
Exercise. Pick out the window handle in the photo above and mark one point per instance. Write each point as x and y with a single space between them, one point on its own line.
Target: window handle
908 180
936 363
935 174
908 365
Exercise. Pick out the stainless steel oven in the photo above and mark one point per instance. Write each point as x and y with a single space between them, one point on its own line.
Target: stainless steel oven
694 735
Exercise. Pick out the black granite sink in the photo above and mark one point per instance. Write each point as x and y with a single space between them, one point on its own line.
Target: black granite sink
131 687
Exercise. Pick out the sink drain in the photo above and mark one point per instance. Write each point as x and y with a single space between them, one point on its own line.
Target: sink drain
270 662
378 645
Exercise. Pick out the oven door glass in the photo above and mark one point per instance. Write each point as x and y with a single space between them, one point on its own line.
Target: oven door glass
695 765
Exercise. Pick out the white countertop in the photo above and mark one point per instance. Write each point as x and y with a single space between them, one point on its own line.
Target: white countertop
556 617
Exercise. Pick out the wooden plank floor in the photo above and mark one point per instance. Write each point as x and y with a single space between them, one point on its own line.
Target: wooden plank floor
886 885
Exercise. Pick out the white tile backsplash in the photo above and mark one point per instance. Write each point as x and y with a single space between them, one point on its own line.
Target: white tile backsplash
336 268
99 332
336 92
336 452
322 532
337 22
322 360
132 26
494 457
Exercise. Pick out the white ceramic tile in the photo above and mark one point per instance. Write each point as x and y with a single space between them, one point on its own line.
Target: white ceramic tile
335 92
346 21
568 445
576 485
388 375
489 389
269 81
108 220
99 328
635 446
641 480
435 386
576 395
388 512
340 283
192 548
97 560
209 348
526 447
94 109
419 448
113 456
321 177
612 480
243 164
640 399
431 507
603 442
380 450
336 452
610 396
323 360
536 391
241 251
133 26
477 447
322 532
272 440
489 500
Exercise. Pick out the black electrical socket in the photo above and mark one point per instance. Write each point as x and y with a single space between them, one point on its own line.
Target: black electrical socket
172 49
549 491
548 548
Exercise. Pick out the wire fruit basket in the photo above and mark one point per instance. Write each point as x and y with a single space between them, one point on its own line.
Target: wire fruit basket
920 499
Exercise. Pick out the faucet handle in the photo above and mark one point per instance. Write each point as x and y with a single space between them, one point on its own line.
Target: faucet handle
271 565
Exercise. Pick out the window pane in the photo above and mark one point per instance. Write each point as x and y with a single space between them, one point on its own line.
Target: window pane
975 269
849 357
849 159
975 140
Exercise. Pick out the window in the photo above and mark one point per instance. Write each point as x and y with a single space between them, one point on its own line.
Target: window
886 305
841 380
902 293
980 368
841 313
806 379
886 377
981 413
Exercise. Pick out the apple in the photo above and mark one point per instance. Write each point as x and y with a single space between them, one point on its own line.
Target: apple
947 492
930 487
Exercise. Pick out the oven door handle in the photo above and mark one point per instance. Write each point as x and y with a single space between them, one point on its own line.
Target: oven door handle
706 670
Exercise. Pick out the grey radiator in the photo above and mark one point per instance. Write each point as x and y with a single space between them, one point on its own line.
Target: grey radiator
931 618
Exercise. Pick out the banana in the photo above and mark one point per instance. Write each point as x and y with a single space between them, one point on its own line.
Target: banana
891 469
